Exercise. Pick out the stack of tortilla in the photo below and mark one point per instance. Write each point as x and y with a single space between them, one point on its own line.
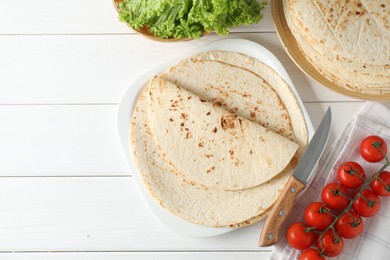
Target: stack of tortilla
348 42
216 137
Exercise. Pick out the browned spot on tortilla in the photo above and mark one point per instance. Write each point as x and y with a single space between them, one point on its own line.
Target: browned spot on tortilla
269 161
228 122
202 100
231 152
189 97
188 135
252 114
208 113
250 151
201 144
184 116
215 130
208 155
211 169
170 119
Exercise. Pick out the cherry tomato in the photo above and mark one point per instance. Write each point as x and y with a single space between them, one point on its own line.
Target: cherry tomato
381 186
299 236
335 195
350 225
311 254
317 216
373 148
332 243
367 205
351 175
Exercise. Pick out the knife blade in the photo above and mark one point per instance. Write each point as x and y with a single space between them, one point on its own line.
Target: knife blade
296 183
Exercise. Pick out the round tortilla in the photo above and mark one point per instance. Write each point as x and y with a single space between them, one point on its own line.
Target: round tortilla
191 201
210 145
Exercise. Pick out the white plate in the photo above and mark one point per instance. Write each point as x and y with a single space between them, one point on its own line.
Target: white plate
127 106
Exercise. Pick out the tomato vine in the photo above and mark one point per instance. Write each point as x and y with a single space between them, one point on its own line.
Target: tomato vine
340 215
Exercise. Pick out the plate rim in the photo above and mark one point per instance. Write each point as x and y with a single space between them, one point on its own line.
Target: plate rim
127 105
291 46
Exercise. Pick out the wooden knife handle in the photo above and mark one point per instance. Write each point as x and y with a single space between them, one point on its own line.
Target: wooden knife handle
279 212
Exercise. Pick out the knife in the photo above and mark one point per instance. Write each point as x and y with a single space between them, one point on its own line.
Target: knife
296 183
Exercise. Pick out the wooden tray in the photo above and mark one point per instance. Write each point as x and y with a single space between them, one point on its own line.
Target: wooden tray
291 46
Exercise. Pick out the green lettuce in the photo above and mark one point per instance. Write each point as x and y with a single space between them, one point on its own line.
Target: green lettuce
189 18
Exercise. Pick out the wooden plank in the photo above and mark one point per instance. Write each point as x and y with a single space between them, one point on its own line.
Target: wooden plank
94 214
60 140
98 69
77 17
68 140
341 113
138 256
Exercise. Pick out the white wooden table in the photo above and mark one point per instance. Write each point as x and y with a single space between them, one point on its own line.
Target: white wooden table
66 191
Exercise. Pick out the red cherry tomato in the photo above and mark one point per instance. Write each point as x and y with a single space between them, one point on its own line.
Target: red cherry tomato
332 244
373 148
381 186
317 216
335 195
351 175
299 236
367 205
311 254
350 225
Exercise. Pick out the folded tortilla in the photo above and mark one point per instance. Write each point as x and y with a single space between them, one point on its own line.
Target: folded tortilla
210 145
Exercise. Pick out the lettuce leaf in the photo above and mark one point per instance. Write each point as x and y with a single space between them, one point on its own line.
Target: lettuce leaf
189 18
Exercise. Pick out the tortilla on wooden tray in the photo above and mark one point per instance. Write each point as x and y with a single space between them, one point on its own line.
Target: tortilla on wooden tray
346 41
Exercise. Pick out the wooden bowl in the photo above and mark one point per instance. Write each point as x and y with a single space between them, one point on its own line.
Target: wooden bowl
144 31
